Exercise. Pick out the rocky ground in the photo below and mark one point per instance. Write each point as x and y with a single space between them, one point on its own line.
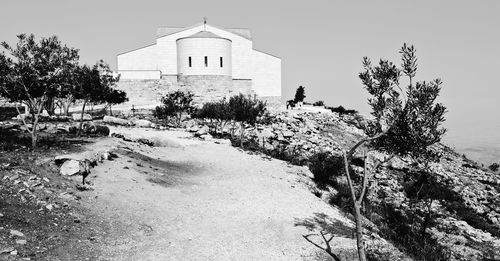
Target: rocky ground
158 195
466 207
153 194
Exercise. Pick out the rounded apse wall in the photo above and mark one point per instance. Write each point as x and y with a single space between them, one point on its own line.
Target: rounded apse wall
204 54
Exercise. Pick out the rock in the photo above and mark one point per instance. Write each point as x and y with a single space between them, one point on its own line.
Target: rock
202 131
16 233
143 123
194 128
74 167
287 134
397 163
206 137
223 141
95 129
78 117
268 133
6 250
21 241
115 120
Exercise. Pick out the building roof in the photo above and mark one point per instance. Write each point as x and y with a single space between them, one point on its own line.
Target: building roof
204 34
168 30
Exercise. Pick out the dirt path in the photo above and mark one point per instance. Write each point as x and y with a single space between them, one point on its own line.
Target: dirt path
198 200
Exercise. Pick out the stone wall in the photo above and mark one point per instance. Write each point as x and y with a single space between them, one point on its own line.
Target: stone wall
209 88
145 93
148 93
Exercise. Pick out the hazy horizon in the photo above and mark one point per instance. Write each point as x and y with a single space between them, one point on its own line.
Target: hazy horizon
321 44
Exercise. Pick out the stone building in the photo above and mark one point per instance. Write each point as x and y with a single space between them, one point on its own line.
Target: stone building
210 61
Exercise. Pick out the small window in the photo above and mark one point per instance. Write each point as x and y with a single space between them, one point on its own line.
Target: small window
221 64
206 61
190 62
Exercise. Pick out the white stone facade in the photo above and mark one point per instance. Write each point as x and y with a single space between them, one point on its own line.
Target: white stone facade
204 50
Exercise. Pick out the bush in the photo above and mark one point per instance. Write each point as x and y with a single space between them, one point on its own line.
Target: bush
319 103
325 168
173 106
342 111
218 111
494 167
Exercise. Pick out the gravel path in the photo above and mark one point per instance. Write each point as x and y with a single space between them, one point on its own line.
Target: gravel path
198 200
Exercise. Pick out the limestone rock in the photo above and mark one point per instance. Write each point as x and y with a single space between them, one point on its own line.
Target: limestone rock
16 233
202 131
78 117
115 120
74 167
143 123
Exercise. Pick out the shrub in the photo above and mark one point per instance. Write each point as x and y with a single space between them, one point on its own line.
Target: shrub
342 111
218 111
246 109
494 167
173 106
319 103
325 168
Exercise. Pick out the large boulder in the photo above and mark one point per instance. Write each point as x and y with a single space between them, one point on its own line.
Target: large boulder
202 131
78 117
115 120
143 123
74 167
95 130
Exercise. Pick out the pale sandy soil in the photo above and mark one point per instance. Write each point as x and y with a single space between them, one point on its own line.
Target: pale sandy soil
198 200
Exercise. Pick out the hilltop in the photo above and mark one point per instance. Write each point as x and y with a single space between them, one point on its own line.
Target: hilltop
153 194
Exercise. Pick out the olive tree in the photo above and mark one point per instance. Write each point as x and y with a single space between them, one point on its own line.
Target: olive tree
174 104
32 72
246 110
94 84
407 121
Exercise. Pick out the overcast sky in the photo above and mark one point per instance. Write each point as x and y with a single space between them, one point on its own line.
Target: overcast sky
321 43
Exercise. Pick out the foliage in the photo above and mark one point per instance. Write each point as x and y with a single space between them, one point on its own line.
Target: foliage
342 111
406 123
246 109
494 167
114 96
300 94
325 168
408 126
34 73
174 104
95 85
319 103
218 111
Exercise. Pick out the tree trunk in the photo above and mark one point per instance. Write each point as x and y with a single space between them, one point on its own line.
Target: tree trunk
110 111
241 134
34 137
66 107
81 118
359 231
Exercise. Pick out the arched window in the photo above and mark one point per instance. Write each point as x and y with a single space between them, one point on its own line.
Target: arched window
221 64
206 61
190 62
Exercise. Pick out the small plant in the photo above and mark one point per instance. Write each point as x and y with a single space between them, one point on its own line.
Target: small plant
219 113
325 168
494 167
173 106
246 109
342 111
319 103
